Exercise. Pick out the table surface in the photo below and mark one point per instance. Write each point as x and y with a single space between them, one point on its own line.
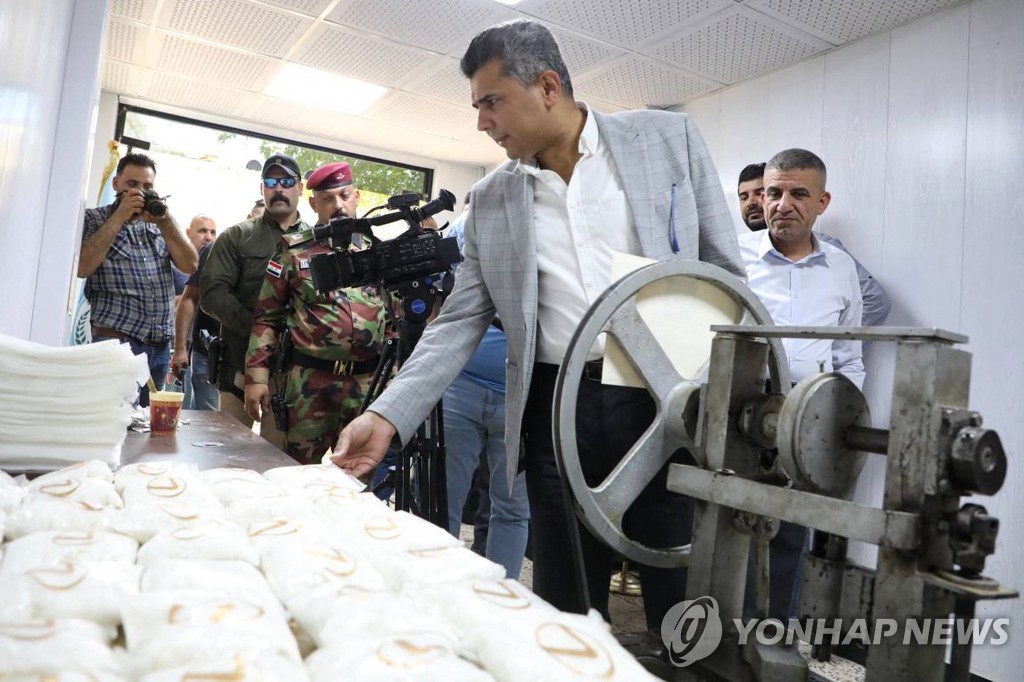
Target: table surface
210 439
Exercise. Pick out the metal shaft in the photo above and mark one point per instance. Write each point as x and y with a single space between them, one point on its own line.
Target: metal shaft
867 439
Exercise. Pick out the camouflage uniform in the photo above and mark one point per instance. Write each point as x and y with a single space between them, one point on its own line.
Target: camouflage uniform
346 325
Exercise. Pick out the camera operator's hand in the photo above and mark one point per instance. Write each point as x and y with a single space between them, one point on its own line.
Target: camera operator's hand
363 444
130 205
179 361
257 400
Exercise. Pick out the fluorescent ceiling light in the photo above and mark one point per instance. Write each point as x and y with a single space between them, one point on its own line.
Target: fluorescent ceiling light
316 88
508 2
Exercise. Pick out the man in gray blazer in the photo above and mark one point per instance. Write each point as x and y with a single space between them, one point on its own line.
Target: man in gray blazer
538 242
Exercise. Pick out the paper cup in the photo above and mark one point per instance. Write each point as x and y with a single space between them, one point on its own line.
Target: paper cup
164 408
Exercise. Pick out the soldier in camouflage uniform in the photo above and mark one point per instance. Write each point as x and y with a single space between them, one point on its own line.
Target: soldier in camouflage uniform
233 276
337 336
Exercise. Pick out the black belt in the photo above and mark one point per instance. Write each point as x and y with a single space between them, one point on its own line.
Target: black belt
592 370
346 367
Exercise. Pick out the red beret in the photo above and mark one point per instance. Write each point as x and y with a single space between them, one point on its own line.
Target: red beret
330 176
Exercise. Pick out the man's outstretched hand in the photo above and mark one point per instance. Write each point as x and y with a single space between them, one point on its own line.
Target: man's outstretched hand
363 444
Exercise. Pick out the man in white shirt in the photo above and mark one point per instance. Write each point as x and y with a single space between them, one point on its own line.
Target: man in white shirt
538 242
750 190
802 281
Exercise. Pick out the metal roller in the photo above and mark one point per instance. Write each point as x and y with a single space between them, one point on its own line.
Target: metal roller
812 424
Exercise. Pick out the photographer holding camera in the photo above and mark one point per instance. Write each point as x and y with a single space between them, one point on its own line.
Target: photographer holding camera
336 337
127 251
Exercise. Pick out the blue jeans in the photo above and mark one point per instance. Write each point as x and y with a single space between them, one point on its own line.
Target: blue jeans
159 357
200 394
390 460
474 423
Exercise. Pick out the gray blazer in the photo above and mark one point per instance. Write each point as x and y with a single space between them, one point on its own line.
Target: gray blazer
652 150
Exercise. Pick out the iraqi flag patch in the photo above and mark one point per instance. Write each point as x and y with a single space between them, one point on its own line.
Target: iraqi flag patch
274 268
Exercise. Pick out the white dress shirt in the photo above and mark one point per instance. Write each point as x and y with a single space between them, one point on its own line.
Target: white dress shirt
819 290
577 227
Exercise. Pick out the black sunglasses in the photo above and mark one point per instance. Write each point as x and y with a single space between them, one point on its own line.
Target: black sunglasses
271 183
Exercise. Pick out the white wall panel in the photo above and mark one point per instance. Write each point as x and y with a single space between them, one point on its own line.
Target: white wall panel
793 111
853 146
924 197
68 173
29 101
992 313
744 136
853 133
706 113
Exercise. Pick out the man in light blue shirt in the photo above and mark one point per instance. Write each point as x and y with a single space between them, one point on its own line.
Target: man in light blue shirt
750 190
802 281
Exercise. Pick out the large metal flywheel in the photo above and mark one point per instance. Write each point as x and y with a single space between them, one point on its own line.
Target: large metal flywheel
676 424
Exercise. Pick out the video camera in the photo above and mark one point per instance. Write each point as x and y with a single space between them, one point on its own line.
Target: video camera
415 254
154 204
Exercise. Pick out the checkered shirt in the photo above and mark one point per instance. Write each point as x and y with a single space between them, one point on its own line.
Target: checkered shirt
132 291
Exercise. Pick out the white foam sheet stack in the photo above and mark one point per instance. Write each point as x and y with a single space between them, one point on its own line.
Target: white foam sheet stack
60 405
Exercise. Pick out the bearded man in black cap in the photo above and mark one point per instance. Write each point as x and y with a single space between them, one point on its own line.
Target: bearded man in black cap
233 276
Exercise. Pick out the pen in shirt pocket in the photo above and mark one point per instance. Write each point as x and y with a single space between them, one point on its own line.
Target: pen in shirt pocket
673 241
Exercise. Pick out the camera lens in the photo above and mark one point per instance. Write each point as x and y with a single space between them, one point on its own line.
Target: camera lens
154 205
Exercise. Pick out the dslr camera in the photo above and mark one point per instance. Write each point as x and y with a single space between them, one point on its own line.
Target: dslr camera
415 254
154 205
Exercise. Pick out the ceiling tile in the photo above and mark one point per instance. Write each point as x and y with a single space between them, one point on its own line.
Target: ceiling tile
311 8
204 61
192 94
136 10
636 82
841 21
600 105
366 58
125 41
288 116
237 23
120 77
736 45
464 152
435 26
442 79
582 54
386 136
621 23
421 113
